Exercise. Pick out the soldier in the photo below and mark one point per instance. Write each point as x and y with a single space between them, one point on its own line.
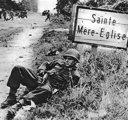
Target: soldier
4 14
24 13
11 15
48 16
51 76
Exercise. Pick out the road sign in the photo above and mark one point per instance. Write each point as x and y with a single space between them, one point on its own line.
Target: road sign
99 27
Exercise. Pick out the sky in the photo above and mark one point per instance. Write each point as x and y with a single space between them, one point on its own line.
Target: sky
46 5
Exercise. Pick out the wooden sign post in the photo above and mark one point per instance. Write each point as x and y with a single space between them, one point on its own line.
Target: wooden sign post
94 50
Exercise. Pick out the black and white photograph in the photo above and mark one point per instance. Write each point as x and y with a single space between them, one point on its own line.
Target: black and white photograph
63 60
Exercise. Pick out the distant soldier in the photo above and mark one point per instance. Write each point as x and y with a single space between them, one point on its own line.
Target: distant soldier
11 15
4 14
48 16
23 14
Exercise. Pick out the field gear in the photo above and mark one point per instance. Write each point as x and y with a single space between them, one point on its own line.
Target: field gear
10 100
59 75
72 53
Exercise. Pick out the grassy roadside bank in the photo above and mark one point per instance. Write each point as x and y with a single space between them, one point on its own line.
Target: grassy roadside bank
102 92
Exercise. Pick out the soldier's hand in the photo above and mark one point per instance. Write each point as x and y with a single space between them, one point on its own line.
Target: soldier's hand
29 107
41 73
51 72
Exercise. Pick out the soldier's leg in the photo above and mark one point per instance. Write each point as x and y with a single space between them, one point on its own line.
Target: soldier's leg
49 18
46 19
19 75
40 95
37 96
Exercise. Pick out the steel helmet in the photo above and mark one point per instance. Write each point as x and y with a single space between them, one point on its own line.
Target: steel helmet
72 53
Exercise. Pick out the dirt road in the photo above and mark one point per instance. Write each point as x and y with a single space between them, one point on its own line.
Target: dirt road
17 50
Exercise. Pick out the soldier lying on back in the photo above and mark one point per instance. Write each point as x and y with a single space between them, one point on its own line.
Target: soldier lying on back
51 76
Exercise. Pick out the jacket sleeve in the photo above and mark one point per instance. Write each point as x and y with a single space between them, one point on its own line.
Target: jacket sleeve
76 77
46 66
43 66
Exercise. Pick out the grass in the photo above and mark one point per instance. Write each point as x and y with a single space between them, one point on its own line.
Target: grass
103 84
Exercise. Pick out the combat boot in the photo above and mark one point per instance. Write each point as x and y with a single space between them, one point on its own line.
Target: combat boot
12 111
10 100
10 114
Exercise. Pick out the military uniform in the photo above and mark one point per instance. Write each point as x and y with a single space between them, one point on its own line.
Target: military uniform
51 76
58 77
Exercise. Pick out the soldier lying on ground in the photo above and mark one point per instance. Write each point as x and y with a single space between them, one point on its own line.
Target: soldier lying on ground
52 76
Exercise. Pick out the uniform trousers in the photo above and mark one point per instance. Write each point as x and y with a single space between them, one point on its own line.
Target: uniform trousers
38 92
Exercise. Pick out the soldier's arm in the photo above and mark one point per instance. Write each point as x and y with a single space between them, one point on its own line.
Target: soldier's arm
42 67
46 66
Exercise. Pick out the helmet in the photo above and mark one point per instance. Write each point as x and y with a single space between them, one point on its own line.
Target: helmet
72 53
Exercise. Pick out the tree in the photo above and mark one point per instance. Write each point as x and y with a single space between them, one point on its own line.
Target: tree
64 6
26 4
8 4
2 3
14 6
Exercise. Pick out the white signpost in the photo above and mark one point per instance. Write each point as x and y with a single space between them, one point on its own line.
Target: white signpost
99 27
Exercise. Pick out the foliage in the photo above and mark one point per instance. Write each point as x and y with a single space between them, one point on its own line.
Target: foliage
64 6
10 4
103 77
103 83
27 5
